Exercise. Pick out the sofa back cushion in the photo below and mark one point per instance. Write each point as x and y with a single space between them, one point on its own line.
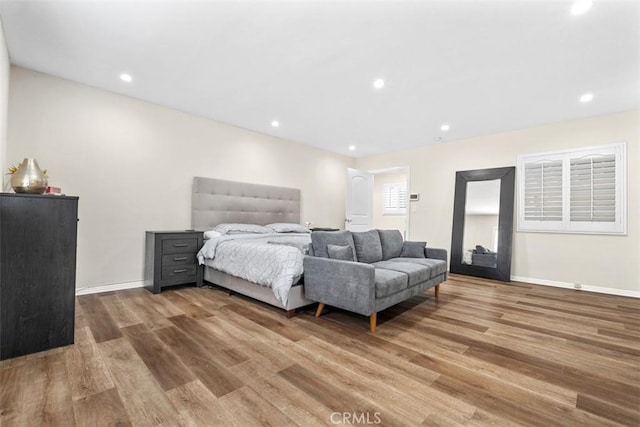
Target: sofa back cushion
368 246
321 239
391 241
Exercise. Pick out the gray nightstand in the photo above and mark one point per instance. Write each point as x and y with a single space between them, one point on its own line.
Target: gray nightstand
170 259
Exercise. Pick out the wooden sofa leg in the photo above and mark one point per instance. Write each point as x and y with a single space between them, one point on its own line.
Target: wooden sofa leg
290 313
319 310
437 290
372 322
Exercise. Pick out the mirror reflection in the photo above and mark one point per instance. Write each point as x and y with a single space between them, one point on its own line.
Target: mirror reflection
480 235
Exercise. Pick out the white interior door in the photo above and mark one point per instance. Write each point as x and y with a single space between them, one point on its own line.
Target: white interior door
359 206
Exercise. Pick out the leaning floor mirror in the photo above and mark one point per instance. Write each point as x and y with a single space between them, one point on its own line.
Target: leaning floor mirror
483 223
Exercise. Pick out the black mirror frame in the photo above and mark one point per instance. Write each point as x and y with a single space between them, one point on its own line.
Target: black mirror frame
507 177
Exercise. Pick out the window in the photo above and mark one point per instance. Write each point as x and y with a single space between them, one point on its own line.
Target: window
573 191
394 199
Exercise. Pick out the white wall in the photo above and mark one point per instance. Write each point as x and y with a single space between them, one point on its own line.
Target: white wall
131 163
386 222
602 261
4 99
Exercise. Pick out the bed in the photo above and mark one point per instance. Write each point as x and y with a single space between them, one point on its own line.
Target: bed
216 201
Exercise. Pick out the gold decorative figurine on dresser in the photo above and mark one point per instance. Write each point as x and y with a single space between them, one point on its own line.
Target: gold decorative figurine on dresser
170 259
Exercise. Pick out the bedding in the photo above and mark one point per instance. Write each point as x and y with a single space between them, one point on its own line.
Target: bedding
211 234
237 228
273 260
285 227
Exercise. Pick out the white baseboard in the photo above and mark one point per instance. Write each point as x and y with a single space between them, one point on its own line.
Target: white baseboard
567 285
109 288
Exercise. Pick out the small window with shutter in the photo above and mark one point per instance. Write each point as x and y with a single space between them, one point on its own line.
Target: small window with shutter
573 191
394 199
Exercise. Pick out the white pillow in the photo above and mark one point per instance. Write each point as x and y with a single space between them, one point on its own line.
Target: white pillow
233 228
211 234
285 227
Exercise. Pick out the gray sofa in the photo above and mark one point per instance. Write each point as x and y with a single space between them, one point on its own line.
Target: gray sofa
366 272
484 257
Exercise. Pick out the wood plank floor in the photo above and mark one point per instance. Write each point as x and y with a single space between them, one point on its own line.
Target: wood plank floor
484 353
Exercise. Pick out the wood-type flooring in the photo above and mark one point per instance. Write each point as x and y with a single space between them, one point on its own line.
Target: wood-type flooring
484 353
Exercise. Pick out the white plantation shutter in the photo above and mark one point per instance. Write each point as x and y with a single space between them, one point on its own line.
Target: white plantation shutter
543 191
593 189
577 191
394 198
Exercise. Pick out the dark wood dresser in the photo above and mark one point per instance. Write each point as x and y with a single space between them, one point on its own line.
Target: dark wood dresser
38 236
170 259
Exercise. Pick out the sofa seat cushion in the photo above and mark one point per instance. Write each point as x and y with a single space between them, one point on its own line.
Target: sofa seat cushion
417 273
389 282
368 246
437 266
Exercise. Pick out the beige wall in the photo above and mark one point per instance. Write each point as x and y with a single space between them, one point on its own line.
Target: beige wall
603 261
131 163
4 99
386 222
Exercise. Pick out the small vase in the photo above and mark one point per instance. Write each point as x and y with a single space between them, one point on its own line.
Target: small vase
29 178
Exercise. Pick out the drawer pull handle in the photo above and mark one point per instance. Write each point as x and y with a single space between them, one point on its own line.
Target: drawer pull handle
182 270
182 258
180 245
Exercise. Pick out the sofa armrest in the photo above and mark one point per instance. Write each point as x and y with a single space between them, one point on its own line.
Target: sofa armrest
343 284
436 253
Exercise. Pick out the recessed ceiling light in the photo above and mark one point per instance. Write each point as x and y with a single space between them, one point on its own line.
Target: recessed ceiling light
445 127
352 148
378 83
275 123
126 78
581 6
587 97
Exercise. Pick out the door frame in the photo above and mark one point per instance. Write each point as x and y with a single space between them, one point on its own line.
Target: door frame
407 171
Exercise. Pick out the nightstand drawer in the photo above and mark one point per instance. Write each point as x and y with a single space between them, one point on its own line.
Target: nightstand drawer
179 246
179 271
178 259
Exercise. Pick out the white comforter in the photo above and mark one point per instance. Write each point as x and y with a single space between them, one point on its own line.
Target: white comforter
272 260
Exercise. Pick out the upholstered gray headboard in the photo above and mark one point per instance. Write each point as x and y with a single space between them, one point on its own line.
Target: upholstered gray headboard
216 201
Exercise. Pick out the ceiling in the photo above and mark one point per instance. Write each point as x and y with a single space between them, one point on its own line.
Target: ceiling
481 66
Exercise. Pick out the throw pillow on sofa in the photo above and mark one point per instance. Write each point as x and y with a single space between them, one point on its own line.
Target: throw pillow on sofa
342 253
413 249
368 246
320 240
